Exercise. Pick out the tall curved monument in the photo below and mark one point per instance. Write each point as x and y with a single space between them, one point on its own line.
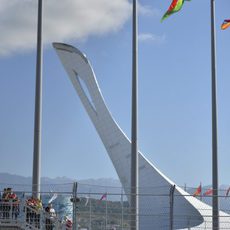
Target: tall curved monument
154 202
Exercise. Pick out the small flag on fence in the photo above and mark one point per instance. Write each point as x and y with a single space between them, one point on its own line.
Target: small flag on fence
208 192
103 197
226 195
198 191
86 200
54 197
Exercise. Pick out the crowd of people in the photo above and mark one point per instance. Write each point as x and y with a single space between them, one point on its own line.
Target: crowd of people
33 207
50 217
9 204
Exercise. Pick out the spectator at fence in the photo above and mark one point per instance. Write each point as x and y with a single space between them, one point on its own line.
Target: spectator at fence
34 206
29 210
4 195
2 204
50 217
68 223
38 208
5 203
14 203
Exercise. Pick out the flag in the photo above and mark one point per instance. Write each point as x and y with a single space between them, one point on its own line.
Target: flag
103 197
175 6
208 192
86 200
225 24
226 195
54 197
198 191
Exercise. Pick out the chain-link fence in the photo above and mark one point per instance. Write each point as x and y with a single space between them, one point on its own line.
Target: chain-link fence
107 208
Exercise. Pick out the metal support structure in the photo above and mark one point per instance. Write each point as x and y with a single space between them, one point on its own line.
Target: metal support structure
171 197
106 212
215 205
75 200
90 214
134 147
38 110
122 210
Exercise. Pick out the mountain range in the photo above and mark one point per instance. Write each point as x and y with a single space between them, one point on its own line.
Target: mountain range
94 187
61 185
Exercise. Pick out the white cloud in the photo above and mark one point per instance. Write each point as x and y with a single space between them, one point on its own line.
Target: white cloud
148 37
63 20
148 11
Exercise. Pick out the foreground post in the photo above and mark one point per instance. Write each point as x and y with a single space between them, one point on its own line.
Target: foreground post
215 206
134 147
38 109
75 200
171 201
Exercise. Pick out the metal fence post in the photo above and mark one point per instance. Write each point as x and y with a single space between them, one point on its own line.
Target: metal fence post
41 218
74 200
90 214
171 200
11 210
122 210
106 213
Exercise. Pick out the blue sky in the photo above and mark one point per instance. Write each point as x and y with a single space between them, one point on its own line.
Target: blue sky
174 87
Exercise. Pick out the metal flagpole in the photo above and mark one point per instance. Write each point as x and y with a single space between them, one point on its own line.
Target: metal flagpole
134 147
215 206
38 109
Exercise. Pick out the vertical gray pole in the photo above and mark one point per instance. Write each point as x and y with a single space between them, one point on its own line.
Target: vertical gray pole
106 213
171 197
90 214
75 200
90 211
215 206
38 109
134 146
122 210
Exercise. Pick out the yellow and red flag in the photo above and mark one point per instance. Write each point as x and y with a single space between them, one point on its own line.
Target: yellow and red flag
225 24
198 191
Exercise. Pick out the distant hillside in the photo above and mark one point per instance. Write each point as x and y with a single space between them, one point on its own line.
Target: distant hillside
61 184
6 178
95 187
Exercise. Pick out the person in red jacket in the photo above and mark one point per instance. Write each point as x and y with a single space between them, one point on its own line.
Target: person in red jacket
14 202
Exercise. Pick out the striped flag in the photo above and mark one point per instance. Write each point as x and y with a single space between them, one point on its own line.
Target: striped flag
175 6
198 191
225 24
103 197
